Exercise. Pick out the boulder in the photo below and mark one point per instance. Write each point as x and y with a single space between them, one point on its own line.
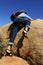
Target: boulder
31 47
12 61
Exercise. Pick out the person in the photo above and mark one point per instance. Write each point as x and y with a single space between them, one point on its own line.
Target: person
20 19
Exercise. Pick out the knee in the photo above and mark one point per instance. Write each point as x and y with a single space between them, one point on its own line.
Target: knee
15 28
28 23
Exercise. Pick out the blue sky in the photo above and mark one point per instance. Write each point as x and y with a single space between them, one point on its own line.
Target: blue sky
34 8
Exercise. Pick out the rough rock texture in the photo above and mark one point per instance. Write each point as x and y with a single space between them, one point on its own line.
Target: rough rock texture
30 47
12 61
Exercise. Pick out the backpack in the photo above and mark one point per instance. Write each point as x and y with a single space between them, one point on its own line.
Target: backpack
15 14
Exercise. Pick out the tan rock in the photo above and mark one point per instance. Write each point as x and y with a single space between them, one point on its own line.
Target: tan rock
12 61
30 48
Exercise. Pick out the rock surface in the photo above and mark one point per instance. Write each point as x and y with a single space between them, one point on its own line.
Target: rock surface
30 47
12 61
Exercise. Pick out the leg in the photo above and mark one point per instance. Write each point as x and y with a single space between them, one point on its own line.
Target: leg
25 21
12 37
27 27
13 34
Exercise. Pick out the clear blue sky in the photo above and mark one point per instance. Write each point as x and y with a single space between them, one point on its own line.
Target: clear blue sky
34 8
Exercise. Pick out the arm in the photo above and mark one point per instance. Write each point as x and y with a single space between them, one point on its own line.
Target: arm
24 15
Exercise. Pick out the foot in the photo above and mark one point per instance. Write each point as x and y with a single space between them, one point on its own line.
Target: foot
9 49
25 33
26 30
